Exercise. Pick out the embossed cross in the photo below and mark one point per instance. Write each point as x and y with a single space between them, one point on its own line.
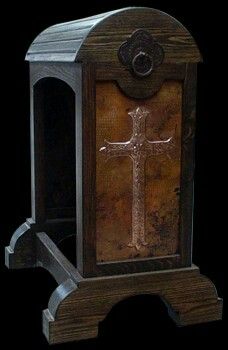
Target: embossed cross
138 148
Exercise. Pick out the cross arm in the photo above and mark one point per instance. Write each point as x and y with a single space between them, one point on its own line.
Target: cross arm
161 146
114 149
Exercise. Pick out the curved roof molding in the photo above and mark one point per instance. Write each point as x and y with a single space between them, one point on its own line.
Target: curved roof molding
98 38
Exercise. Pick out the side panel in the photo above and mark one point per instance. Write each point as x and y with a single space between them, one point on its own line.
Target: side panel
104 206
141 179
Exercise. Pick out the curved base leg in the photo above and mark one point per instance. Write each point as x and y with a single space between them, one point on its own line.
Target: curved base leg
75 309
22 250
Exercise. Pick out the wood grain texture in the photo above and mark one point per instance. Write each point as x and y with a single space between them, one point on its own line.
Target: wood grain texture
102 43
75 310
140 88
97 38
114 182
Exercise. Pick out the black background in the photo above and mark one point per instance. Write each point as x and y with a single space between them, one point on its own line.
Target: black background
25 293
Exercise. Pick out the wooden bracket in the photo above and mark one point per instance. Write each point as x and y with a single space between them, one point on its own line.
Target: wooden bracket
21 252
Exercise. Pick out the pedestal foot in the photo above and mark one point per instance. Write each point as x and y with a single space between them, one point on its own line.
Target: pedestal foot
75 309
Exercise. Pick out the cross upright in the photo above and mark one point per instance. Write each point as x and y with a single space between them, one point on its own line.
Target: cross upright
138 148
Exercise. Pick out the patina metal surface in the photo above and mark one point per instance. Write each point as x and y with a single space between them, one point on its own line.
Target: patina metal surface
138 171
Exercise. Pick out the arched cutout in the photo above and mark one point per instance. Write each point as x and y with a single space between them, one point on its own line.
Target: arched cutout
136 317
54 115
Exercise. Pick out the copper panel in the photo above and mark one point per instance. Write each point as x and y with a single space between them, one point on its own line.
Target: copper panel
137 172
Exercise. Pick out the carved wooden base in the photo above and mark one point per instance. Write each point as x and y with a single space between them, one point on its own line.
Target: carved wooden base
78 304
74 311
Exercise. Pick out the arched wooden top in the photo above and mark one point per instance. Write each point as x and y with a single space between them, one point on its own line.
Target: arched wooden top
98 38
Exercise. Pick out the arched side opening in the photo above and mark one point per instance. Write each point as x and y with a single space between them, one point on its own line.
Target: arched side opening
54 120
136 316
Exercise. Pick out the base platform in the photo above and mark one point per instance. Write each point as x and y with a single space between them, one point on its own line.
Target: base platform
78 304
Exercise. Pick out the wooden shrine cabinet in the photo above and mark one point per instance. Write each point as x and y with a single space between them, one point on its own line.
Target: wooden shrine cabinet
112 158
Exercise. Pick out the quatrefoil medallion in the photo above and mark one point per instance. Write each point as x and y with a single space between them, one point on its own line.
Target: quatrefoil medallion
141 53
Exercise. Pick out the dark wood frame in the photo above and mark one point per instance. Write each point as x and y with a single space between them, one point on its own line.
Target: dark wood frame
85 141
20 252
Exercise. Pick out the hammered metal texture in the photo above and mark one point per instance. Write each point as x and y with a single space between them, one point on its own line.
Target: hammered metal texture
138 170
